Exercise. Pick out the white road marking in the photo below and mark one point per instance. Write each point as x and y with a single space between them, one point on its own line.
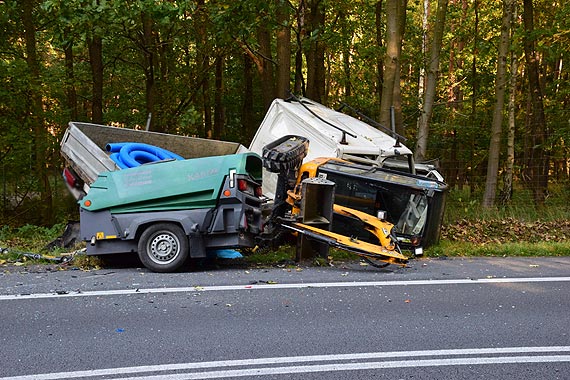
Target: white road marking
197 288
261 366
354 367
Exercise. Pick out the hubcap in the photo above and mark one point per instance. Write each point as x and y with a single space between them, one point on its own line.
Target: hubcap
164 248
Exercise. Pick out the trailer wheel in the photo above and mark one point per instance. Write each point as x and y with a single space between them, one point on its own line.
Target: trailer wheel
163 247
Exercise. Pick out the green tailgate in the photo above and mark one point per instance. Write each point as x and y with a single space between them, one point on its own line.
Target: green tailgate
172 185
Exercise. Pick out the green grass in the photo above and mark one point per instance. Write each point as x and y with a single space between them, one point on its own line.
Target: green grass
462 249
283 254
501 238
29 238
21 245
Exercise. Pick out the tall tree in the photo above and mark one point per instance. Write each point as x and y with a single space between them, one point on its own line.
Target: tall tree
247 103
70 76
35 120
455 92
315 51
203 63
283 48
148 48
507 191
394 9
265 64
95 46
219 110
537 119
496 126
397 99
379 58
431 82
300 86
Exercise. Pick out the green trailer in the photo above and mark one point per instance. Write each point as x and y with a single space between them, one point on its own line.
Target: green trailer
165 211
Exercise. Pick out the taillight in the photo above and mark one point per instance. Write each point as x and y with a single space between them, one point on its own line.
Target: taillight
249 187
70 178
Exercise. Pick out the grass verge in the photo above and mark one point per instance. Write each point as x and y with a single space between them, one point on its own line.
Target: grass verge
464 249
508 237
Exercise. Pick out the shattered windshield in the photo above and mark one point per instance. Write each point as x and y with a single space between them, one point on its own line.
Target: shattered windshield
406 206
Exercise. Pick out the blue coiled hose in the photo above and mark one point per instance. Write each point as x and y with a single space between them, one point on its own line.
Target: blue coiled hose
129 154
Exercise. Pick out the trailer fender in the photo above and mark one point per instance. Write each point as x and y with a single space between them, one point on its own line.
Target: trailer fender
193 222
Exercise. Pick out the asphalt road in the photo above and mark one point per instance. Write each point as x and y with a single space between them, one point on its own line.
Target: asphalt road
492 318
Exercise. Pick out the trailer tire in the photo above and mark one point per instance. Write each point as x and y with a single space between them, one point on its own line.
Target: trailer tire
163 247
285 153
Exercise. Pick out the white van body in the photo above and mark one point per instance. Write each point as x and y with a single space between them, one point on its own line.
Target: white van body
330 134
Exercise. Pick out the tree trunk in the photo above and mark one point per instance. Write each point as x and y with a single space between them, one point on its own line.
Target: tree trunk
265 66
510 164
346 64
283 49
431 83
397 99
203 63
496 125
315 53
35 113
379 58
539 159
247 106
95 47
96 61
470 171
455 95
206 98
148 66
299 86
219 110
391 59
70 92
422 71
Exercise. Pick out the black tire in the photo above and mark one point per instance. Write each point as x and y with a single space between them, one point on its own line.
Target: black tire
285 153
163 247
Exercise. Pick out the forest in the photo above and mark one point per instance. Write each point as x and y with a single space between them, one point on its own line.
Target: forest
478 87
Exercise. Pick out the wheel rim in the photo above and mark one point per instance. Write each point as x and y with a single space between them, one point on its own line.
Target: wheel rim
163 248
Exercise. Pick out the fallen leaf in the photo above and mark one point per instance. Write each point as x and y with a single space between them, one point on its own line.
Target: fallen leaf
408 301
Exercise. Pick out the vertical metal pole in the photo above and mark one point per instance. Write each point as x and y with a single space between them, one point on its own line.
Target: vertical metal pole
149 118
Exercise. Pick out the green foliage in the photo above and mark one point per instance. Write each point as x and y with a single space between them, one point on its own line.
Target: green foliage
29 238
158 56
